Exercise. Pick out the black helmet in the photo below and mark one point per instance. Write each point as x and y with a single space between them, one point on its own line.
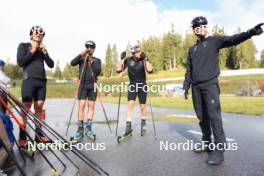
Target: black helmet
91 44
37 29
198 21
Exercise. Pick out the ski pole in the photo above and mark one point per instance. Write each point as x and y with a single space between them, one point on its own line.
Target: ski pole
64 154
118 108
100 98
74 102
54 170
38 134
79 154
39 126
15 140
152 115
123 55
12 157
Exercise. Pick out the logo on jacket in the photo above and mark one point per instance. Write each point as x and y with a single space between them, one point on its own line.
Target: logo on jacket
205 44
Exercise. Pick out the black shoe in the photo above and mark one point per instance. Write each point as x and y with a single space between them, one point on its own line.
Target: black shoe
216 158
202 147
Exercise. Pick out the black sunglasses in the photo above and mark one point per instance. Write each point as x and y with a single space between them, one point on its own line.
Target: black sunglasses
90 46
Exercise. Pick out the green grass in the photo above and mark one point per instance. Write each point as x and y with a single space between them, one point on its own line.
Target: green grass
240 105
229 85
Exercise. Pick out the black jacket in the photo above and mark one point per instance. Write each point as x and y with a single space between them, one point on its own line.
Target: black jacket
33 64
92 71
202 64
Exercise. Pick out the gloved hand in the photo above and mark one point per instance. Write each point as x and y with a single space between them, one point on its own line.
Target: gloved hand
257 30
186 94
123 55
143 56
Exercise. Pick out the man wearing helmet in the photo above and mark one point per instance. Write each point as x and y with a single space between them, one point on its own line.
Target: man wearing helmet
31 57
137 65
89 69
202 71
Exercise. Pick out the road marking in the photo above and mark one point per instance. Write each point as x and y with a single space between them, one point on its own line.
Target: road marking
185 116
199 133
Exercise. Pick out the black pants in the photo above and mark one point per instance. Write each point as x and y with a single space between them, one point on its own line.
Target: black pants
33 90
137 90
208 109
87 91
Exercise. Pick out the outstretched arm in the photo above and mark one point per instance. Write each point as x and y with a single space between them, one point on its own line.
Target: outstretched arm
227 41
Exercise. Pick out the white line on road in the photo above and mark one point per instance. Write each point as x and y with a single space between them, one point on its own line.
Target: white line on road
199 133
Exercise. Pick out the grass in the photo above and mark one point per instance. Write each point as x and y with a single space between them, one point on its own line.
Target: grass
229 85
239 105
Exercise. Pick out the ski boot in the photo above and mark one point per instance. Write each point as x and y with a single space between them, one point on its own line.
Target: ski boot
25 149
79 134
90 135
127 134
143 127
89 132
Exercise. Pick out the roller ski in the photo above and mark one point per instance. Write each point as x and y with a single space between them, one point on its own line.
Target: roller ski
128 133
25 149
89 133
41 138
143 127
78 135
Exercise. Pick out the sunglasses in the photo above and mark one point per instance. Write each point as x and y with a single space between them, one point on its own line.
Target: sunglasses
90 46
39 31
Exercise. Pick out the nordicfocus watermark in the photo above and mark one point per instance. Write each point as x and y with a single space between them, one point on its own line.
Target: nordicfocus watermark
128 87
59 145
190 145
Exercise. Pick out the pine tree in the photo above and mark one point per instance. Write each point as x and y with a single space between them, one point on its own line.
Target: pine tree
153 50
114 59
107 67
262 59
57 72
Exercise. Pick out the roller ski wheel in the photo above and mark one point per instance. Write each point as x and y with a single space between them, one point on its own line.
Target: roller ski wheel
143 127
76 138
55 172
143 132
78 135
25 149
124 137
90 136
28 153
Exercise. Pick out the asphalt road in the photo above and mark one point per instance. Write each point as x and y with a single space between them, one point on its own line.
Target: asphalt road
141 156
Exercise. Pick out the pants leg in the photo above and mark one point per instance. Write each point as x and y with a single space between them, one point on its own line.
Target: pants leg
198 104
213 107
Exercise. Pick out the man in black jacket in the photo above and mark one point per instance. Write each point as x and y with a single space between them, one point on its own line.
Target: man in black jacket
89 69
202 73
31 57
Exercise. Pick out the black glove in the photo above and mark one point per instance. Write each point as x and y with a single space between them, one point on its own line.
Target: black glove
257 30
123 55
186 94
143 56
